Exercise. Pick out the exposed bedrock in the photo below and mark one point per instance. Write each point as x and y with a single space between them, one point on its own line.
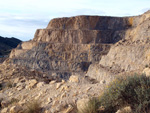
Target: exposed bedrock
71 45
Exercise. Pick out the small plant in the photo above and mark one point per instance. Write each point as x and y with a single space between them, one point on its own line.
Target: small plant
9 84
1 86
146 66
133 91
13 100
91 107
33 106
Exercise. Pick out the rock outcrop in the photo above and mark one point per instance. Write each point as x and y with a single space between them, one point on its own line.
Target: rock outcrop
129 54
70 45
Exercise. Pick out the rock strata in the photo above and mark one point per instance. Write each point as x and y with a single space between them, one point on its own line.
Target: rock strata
71 45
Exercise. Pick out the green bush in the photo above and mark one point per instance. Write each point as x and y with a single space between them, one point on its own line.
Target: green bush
91 107
33 106
133 91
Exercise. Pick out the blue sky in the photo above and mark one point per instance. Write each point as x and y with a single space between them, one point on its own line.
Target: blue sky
21 18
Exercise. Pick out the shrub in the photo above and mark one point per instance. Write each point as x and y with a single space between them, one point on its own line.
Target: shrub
1 86
33 106
9 84
13 100
91 107
131 91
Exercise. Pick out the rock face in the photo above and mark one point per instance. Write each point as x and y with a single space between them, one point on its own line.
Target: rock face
71 45
129 54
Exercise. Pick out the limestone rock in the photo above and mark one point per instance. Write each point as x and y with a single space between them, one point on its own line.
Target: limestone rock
31 83
40 84
146 71
69 109
125 110
49 100
5 110
46 111
74 78
52 82
15 109
58 85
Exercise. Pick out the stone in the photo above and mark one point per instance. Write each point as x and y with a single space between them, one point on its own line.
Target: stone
31 83
40 84
22 102
88 88
63 95
146 71
15 109
63 81
55 102
69 109
16 80
74 78
49 100
10 93
101 108
65 88
47 111
102 81
5 110
126 109
52 82
58 85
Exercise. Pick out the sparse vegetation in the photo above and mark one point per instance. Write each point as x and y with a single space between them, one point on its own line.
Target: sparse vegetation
32 106
91 107
146 66
1 86
13 100
133 91
9 84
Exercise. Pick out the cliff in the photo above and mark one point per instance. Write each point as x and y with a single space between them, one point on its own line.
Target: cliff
71 45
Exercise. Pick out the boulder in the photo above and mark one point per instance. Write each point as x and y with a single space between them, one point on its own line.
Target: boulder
74 78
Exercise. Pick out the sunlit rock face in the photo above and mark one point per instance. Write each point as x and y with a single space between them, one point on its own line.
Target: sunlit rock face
71 45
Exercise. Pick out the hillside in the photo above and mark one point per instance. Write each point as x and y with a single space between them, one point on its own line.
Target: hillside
74 59
6 44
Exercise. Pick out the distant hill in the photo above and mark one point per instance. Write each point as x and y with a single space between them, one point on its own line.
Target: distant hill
6 44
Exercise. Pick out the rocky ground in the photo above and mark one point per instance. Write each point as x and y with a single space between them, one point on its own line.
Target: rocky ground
20 86
54 96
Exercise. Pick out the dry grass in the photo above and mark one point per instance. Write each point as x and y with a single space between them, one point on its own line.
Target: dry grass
32 106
